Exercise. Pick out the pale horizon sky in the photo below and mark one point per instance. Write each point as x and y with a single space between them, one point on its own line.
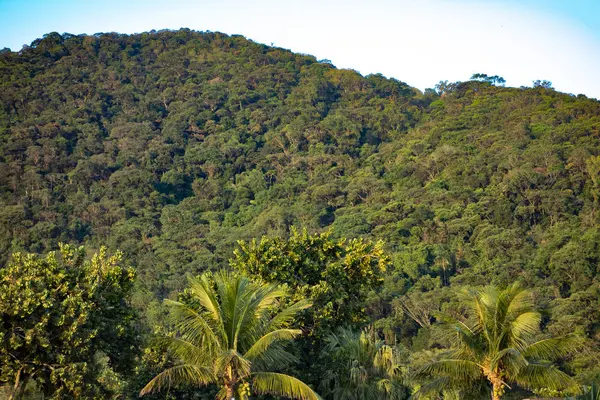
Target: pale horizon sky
420 42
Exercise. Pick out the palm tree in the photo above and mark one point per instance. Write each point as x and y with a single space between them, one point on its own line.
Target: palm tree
497 344
362 367
590 393
228 334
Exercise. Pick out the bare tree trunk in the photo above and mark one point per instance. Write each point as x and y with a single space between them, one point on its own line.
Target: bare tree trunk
17 392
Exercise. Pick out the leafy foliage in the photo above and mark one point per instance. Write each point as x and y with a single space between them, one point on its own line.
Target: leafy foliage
498 344
363 367
174 145
337 275
229 334
57 314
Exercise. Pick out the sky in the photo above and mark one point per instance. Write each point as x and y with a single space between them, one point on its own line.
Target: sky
420 42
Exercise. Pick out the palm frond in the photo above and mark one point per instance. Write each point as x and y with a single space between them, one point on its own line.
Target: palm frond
384 359
286 316
525 324
262 344
186 351
434 386
277 355
230 294
510 358
460 331
340 338
192 325
235 360
235 299
454 368
282 385
244 318
480 304
554 348
522 300
221 394
544 375
179 375
589 393
255 303
203 292
500 323
384 385
269 296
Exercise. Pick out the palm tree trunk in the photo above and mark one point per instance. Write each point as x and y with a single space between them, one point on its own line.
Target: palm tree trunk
497 390
229 393
230 384
497 383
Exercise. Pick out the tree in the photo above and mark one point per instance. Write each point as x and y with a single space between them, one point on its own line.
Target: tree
443 87
337 275
230 333
496 343
362 367
492 80
542 84
102 137
591 392
57 314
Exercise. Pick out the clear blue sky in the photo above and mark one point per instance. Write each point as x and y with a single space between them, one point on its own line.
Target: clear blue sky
417 41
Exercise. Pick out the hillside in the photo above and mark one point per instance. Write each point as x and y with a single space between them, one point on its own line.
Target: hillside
172 146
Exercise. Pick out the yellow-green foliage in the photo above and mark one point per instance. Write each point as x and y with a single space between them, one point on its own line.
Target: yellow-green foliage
56 313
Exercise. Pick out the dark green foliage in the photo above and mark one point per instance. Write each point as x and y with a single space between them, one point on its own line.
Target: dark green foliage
336 275
492 80
590 393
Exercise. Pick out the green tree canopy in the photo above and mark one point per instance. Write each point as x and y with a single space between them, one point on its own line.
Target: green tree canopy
174 145
492 80
337 275
56 314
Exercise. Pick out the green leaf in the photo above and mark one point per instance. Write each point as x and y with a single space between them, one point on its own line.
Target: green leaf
282 385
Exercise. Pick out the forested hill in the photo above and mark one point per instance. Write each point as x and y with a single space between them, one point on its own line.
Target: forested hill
173 145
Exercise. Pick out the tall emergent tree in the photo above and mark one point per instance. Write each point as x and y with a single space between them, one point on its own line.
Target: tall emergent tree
497 343
492 80
231 332
56 314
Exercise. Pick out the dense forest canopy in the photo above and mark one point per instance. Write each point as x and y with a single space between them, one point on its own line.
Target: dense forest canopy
172 146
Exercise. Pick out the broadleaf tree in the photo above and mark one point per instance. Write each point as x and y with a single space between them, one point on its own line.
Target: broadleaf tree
337 275
57 314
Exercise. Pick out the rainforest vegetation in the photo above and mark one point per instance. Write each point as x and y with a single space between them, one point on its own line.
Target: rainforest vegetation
191 215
